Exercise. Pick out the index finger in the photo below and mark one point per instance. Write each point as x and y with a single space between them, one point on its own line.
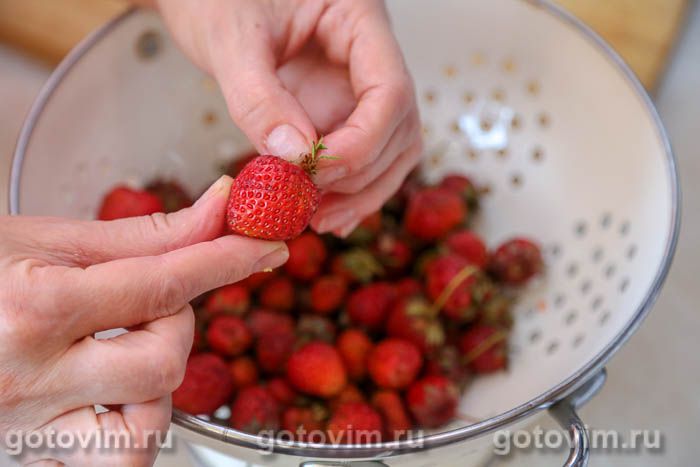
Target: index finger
380 82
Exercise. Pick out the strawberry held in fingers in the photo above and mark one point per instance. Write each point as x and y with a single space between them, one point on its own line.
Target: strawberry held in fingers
274 199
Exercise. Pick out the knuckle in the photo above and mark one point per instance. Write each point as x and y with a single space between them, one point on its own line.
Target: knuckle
171 294
168 369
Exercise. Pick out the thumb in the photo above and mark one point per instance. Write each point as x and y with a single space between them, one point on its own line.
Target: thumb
259 103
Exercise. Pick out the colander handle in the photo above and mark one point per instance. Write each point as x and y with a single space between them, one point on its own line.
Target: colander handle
564 412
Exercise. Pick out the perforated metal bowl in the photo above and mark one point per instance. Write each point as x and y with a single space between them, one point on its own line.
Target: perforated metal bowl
516 93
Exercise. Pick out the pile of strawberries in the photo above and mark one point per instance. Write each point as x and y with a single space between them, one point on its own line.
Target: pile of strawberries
360 339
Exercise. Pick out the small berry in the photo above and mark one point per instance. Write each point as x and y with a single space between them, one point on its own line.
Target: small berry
312 327
307 253
317 369
229 335
350 393
231 299
367 230
354 347
433 401
434 212
464 187
123 202
357 266
300 421
394 363
243 372
255 410
206 387
281 391
172 195
393 252
412 319
355 423
440 276
484 348
277 294
369 305
397 422
327 293
516 261
469 246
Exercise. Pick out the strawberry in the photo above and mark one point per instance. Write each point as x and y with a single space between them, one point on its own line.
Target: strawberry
433 401
307 253
354 346
496 311
229 335
357 265
447 361
206 387
355 423
277 294
434 212
275 337
172 195
274 199
469 246
367 230
238 163
412 319
243 372
408 287
369 305
255 410
516 261
397 422
258 279
327 293
300 421
266 324
484 348
231 299
444 274
392 252
311 327
394 363
123 201
463 186
350 393
317 369
281 391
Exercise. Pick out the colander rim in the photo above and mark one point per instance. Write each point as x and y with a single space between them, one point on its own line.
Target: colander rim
544 400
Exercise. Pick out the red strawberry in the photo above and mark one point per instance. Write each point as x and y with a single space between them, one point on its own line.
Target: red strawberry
412 319
123 202
434 212
350 393
172 195
441 274
447 361
312 327
357 265
300 421
206 387
394 363
464 187
355 423
354 346
229 335
238 163
469 246
393 252
327 293
266 324
274 199
256 280
368 229
433 401
278 294
484 348
369 305
397 422
243 372
307 254
317 369
255 410
232 299
408 287
516 261
281 391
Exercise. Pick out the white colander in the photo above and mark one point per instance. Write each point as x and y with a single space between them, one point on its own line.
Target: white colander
516 93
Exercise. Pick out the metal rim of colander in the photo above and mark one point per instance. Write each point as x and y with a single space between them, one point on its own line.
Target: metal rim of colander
541 402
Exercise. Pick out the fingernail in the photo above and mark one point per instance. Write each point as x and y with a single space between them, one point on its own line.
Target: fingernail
216 189
326 176
286 142
337 220
272 260
348 229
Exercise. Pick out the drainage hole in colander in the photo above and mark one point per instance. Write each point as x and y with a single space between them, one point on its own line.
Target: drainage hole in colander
533 88
516 122
502 153
537 154
430 96
610 270
535 336
604 318
606 220
148 45
559 300
597 255
468 97
209 118
586 286
596 303
570 317
543 120
554 250
572 270
454 127
450 71
516 180
426 130
624 228
552 347
624 284
631 252
472 154
580 229
498 95
478 58
578 340
509 65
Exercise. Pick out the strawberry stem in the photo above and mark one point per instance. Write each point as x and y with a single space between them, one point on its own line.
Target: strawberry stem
447 292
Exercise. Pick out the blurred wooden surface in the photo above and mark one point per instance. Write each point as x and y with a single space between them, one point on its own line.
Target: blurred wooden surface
643 31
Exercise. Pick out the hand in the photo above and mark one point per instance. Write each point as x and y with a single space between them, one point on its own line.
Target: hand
63 280
288 68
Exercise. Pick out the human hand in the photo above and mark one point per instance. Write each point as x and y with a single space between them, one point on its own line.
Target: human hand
288 68
64 280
